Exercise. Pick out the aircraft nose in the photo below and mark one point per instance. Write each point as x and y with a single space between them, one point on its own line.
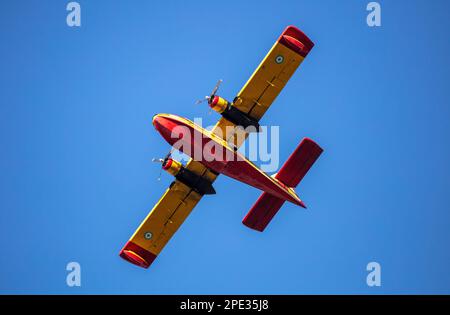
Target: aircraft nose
162 125
165 125
155 120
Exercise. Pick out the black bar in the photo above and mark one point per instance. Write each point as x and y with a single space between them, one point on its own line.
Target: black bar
226 303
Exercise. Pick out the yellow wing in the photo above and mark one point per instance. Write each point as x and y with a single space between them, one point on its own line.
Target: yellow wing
164 219
254 99
267 81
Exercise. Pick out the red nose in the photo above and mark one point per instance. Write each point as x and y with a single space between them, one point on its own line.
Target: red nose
163 125
157 122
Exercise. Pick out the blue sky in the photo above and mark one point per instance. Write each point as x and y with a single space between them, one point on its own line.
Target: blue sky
77 142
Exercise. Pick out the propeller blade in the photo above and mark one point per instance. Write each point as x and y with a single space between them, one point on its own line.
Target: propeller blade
213 93
159 176
216 88
202 100
169 154
162 161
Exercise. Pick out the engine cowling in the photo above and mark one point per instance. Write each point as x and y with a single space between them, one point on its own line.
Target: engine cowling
218 104
172 166
231 113
187 177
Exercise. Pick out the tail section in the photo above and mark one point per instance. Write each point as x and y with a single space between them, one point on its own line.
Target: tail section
290 174
299 163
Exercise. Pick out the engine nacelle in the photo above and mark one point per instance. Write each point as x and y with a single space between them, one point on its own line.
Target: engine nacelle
172 166
219 104
231 113
187 177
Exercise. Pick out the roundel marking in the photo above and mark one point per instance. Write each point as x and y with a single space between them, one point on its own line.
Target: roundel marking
279 59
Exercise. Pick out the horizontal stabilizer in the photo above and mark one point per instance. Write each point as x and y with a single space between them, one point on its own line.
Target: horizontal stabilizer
290 174
299 163
263 211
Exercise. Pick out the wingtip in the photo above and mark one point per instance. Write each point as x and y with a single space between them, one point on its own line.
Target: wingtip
137 255
295 39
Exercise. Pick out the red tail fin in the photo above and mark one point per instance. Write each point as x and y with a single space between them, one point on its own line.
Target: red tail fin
290 174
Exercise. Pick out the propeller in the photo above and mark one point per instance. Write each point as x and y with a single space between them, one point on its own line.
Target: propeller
162 161
211 96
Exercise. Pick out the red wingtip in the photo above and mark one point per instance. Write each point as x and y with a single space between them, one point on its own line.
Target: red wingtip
137 255
296 40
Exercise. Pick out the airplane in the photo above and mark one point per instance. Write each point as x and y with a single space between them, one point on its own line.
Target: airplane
219 154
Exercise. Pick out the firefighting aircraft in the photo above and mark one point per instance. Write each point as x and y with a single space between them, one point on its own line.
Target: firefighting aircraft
195 179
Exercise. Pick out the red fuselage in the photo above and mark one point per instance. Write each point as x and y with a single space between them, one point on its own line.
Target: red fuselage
213 152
